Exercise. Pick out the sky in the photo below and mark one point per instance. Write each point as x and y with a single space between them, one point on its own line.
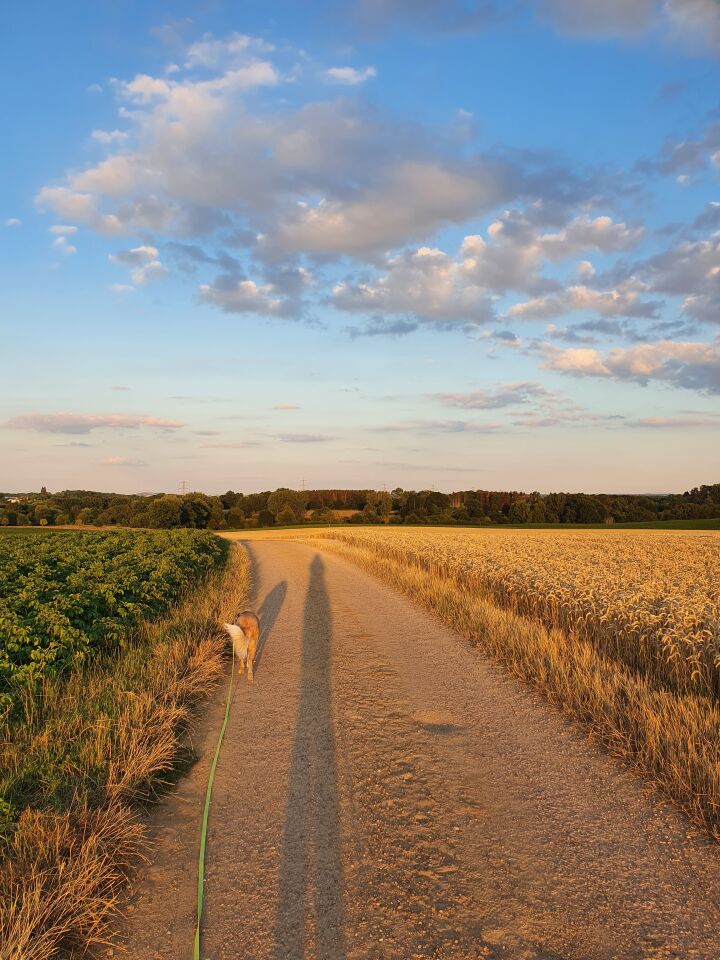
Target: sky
418 243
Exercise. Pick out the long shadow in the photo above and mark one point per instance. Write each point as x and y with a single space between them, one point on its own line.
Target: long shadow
268 614
310 865
269 609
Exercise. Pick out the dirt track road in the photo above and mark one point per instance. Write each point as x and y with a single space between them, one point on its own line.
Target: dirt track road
383 792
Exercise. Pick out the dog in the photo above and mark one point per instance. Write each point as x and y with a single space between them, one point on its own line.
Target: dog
244 634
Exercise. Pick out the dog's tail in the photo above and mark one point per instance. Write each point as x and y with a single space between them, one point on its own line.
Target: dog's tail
234 631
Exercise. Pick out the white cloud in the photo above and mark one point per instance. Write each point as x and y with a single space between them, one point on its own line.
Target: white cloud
607 303
426 282
85 422
109 136
330 178
244 296
691 365
144 262
12 222
137 256
439 288
349 75
121 288
62 229
210 52
83 207
62 245
412 200
690 269
154 270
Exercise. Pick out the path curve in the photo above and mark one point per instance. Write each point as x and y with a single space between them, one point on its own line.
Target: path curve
384 792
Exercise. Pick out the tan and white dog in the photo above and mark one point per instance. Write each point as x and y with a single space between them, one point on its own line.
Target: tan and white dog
244 634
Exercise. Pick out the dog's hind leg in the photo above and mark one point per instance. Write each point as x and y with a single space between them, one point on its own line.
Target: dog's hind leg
251 677
241 668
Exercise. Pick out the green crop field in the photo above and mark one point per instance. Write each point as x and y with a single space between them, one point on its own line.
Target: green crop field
61 597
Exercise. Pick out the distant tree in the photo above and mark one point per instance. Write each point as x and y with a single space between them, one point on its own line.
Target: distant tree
266 518
322 515
196 510
165 512
285 499
235 518
286 516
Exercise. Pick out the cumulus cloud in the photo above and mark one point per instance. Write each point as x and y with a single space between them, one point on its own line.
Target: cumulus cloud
690 269
687 156
412 200
63 246
63 229
691 365
442 289
323 179
13 222
245 296
144 263
349 75
426 283
607 303
236 48
77 423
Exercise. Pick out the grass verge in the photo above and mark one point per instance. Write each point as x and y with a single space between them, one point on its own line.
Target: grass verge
89 751
672 737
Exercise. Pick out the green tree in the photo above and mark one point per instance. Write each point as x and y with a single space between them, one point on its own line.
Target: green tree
285 499
235 518
286 516
165 512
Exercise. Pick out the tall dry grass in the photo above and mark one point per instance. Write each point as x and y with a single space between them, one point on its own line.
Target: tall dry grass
88 752
664 721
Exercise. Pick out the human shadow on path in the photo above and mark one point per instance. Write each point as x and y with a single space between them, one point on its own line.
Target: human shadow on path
310 865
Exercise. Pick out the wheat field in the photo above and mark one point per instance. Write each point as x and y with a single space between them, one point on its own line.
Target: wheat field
619 628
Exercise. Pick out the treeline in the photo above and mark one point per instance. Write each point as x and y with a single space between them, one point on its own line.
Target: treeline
236 511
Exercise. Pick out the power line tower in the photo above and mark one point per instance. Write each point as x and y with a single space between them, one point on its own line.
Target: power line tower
302 484
183 487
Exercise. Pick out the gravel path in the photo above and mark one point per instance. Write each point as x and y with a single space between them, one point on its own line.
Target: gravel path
384 792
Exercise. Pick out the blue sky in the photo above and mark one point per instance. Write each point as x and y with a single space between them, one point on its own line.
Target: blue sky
434 244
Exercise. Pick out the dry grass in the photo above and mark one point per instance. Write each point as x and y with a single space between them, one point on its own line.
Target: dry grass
89 750
620 629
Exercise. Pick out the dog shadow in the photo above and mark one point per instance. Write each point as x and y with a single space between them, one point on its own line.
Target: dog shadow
269 609
268 613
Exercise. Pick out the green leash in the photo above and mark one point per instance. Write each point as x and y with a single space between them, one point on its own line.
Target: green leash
206 811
